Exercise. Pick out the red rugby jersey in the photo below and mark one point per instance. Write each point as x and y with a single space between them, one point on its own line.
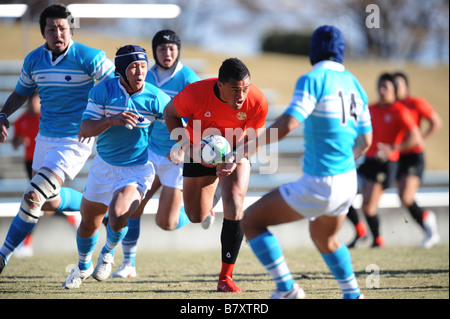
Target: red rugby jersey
27 127
390 125
206 112
419 109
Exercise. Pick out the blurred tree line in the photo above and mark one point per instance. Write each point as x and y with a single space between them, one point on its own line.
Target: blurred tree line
406 26
408 29
286 42
403 29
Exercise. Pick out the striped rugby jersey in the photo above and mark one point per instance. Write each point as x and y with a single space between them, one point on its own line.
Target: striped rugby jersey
63 85
118 145
333 106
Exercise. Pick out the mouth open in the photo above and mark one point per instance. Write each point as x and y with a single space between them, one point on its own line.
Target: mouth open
239 103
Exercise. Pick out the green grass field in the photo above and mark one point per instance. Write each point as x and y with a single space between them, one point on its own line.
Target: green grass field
404 273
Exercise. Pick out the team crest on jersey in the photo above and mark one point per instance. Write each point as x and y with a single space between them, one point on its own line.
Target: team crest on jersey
241 116
387 118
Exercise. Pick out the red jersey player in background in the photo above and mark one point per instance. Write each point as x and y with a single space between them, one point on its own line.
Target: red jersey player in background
394 130
412 161
230 106
26 128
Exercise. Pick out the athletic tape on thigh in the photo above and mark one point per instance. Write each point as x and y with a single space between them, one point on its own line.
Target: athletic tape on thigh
46 186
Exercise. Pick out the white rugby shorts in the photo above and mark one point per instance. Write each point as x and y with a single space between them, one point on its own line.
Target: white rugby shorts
314 196
65 156
169 174
104 179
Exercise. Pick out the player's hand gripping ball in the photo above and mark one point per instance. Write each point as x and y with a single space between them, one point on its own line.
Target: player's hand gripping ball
215 149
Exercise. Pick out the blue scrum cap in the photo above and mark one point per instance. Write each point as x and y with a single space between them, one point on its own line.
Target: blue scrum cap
127 55
327 43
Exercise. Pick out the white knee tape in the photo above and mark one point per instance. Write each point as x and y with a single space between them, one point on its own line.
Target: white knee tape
46 187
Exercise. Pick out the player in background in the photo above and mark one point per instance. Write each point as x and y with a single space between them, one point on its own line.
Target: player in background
412 161
26 127
120 112
63 71
333 107
394 130
171 76
227 105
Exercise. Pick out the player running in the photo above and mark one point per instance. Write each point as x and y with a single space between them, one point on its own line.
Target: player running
333 107
229 105
394 130
26 128
63 71
412 161
171 76
120 112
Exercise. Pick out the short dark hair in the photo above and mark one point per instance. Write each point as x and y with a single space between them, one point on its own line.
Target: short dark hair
388 77
401 74
58 11
233 68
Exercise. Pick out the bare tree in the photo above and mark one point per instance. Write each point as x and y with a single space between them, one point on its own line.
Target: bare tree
406 26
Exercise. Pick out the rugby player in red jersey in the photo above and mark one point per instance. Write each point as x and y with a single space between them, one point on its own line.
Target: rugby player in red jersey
394 130
412 161
232 107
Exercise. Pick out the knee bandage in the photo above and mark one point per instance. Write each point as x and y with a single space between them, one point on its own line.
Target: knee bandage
46 187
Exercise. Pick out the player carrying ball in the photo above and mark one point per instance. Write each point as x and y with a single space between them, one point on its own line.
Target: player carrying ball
229 103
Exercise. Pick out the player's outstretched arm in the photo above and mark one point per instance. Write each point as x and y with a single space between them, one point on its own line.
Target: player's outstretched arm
435 124
282 126
362 144
12 104
412 139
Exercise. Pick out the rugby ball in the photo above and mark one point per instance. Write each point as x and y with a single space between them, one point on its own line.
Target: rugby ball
214 149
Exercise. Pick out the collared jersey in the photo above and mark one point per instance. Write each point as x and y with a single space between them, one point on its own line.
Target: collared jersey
63 85
208 113
419 109
333 106
118 145
390 126
160 141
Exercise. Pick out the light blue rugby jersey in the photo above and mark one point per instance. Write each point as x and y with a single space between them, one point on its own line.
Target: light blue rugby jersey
333 106
160 141
63 85
118 145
